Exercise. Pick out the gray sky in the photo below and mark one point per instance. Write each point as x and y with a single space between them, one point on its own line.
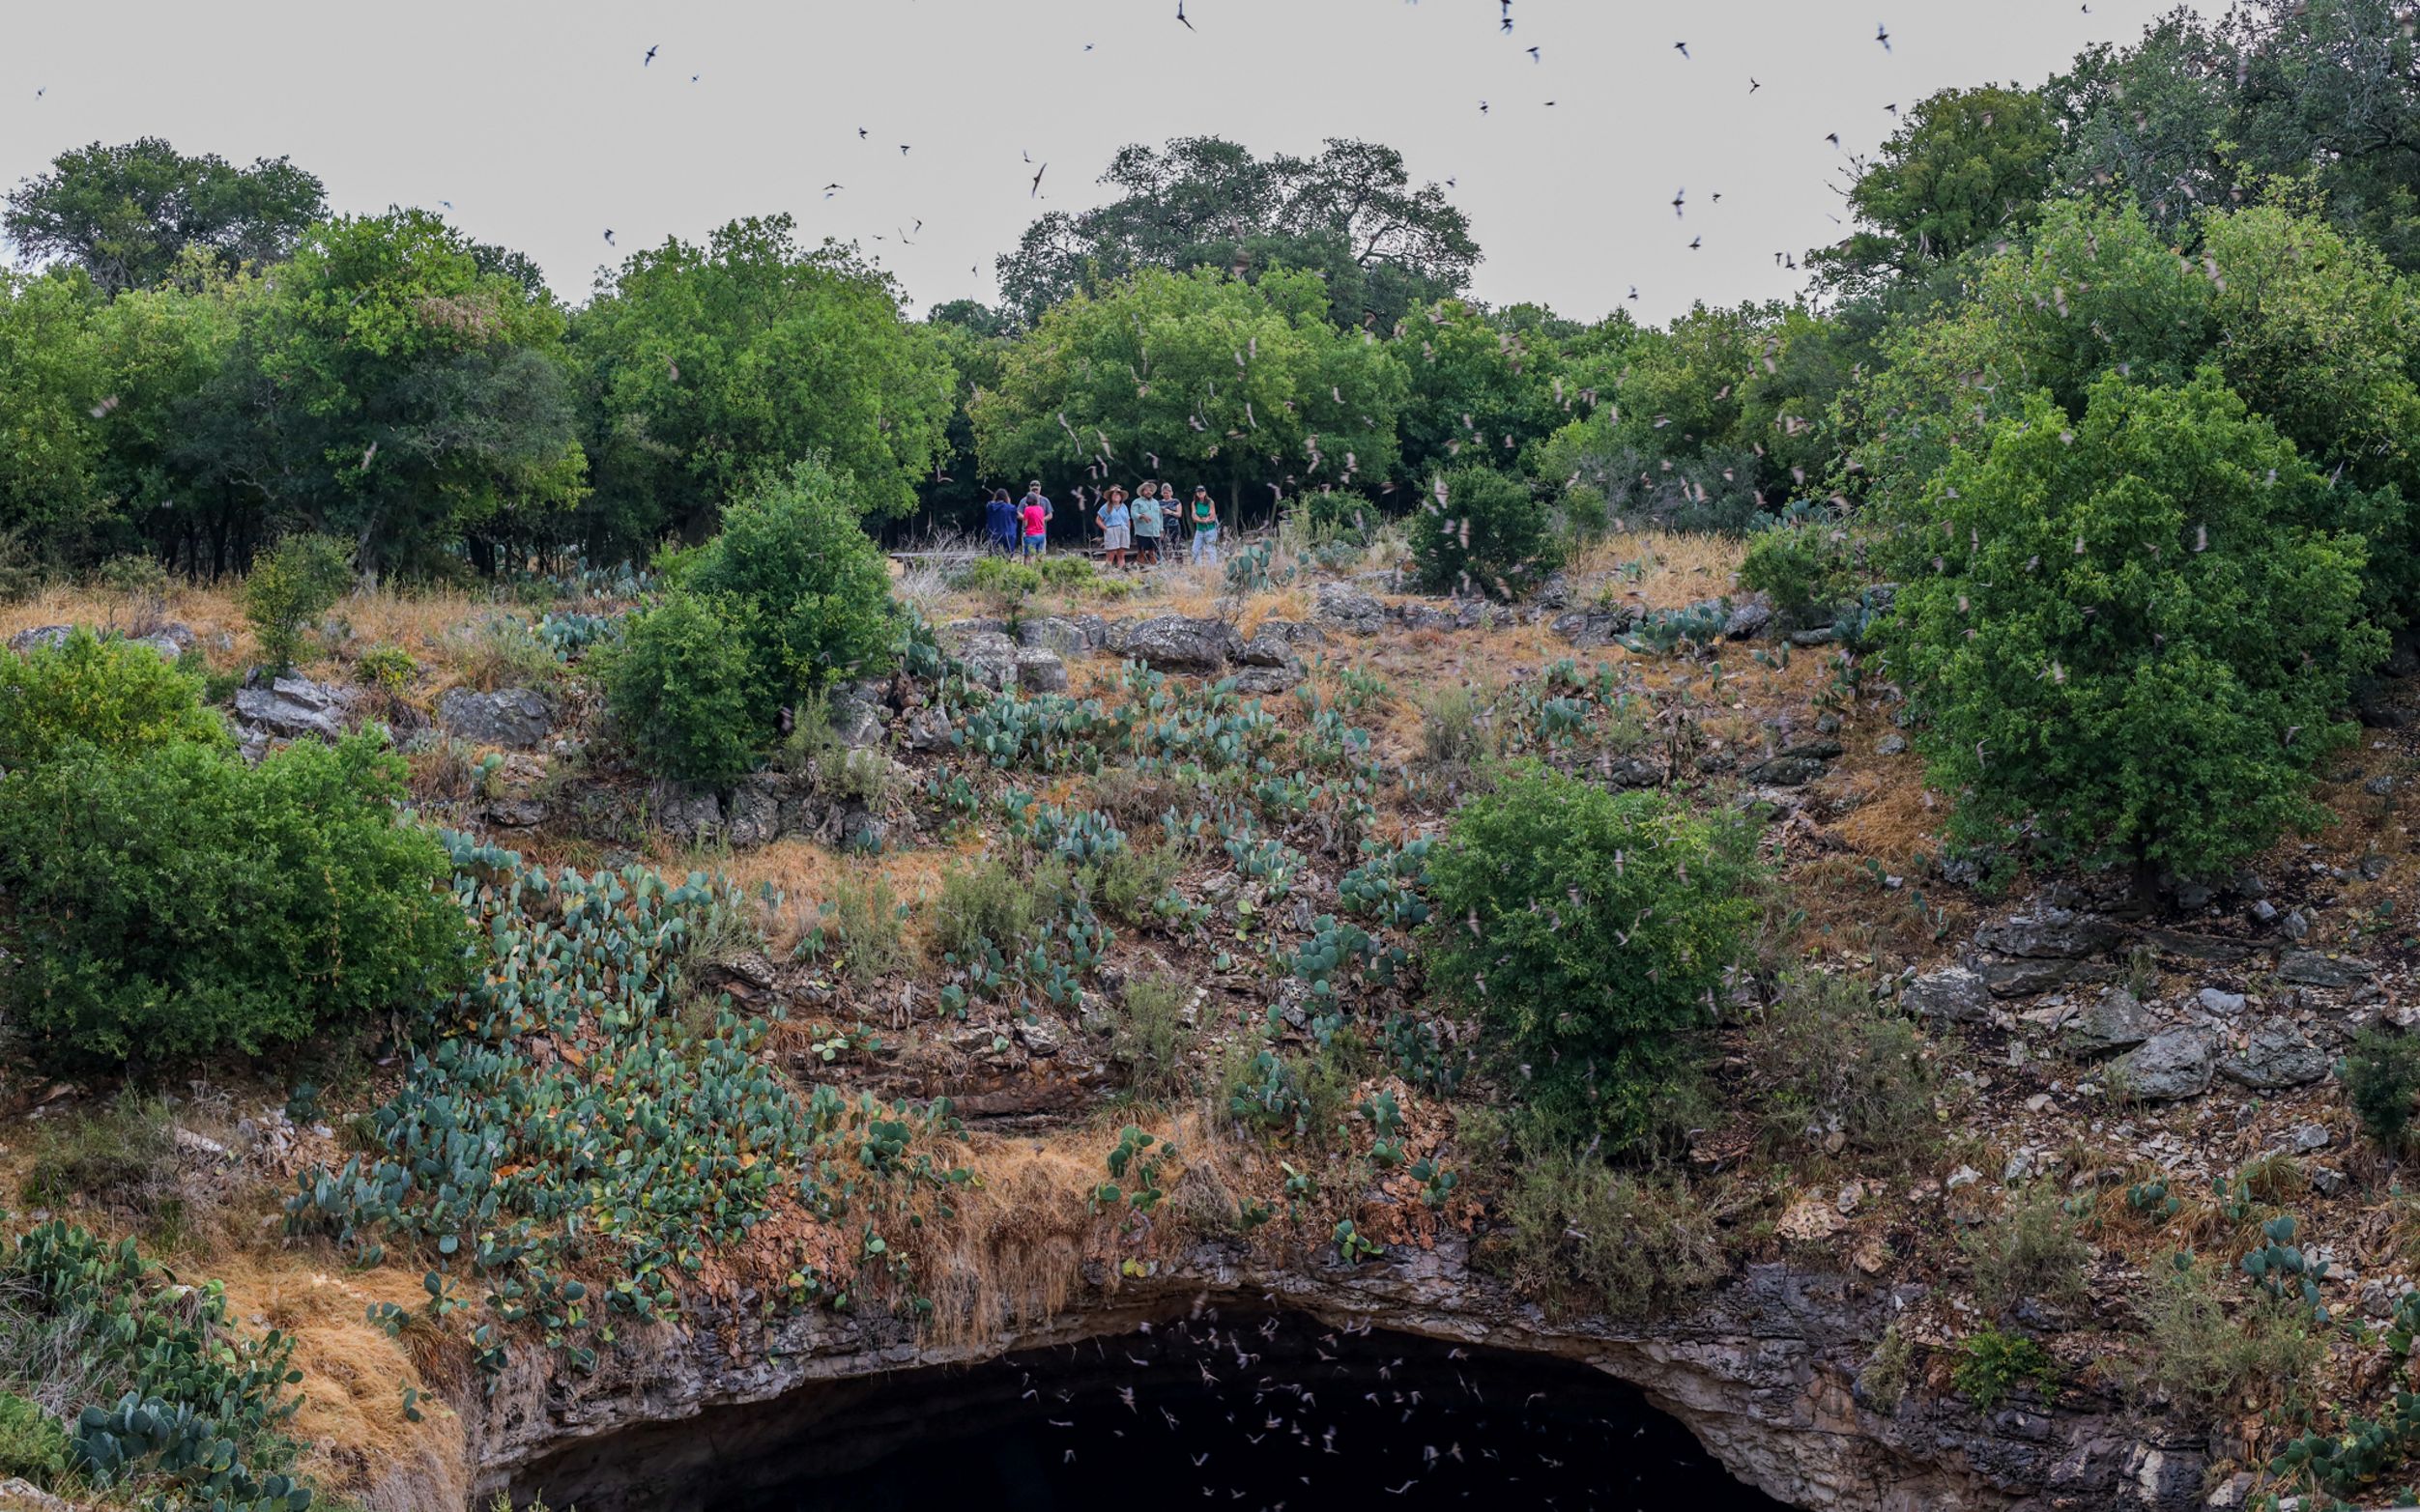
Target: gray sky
540 125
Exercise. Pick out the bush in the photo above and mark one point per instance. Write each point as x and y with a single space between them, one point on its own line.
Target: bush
2382 1073
680 689
290 587
2134 630
1149 1039
388 668
33 1443
2032 1253
113 696
1805 567
1488 535
986 901
790 596
1592 931
1581 1238
179 903
1996 1364
1828 1059
2210 1357
1005 584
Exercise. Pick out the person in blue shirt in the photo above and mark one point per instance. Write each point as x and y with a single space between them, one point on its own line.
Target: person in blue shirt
1115 519
1000 522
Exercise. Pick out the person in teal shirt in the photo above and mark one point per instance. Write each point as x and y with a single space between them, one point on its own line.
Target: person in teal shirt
1147 525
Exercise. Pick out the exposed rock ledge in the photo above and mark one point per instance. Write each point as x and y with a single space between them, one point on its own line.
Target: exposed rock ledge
1763 1374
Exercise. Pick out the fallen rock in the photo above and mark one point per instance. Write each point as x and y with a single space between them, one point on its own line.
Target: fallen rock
1748 620
1785 771
1890 744
1265 649
2050 933
1591 629
1954 995
858 715
2276 1055
2019 978
2226 1005
2118 1020
2170 1065
990 657
686 815
1040 670
1261 681
1350 609
1634 772
2311 969
516 717
1050 633
1174 644
292 708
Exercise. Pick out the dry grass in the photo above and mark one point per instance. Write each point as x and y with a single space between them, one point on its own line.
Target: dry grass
1679 568
806 874
357 1441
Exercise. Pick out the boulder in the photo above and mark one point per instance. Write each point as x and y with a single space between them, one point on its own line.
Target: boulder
1785 771
1040 670
1816 749
990 657
1891 745
1748 620
2019 978
1293 631
1050 633
1350 609
291 707
688 815
1954 995
2276 1055
1261 681
42 638
858 715
169 641
2115 1021
1632 772
2170 1065
2050 934
2311 969
516 717
755 816
1174 644
1265 649
2226 1005
1590 629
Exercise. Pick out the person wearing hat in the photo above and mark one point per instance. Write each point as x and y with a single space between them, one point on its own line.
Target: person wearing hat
1149 511
1115 522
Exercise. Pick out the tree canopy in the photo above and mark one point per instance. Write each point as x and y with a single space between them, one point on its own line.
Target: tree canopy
126 214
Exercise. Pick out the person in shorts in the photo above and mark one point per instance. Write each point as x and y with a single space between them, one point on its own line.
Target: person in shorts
1148 517
1116 524
1034 513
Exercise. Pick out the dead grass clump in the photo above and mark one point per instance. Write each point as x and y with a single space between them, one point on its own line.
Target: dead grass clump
1014 1253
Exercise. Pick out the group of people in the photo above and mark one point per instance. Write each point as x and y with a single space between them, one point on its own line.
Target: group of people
1129 529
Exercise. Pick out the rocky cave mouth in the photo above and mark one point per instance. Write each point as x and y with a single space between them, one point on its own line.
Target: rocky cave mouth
1258 1410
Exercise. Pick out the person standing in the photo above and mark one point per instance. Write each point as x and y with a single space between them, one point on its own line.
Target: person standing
1034 512
1115 522
999 522
1203 516
1147 525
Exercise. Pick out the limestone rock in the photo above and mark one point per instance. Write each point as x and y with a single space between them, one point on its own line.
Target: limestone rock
1176 644
1338 606
292 708
516 717
1954 995
1053 633
2276 1055
2311 969
1040 670
1748 620
2050 933
1590 629
2115 1021
1785 771
2171 1065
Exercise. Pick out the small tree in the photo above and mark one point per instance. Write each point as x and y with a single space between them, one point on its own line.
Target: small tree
289 588
2133 631
790 596
1482 531
1592 931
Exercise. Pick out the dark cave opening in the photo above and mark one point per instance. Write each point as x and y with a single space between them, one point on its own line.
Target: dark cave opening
1255 1411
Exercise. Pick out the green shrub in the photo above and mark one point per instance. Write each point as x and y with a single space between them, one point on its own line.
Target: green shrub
1805 567
790 596
1149 1039
114 696
680 686
1065 571
2382 1073
2135 632
986 901
1591 931
1829 1059
2030 1253
1486 535
2211 1355
1885 1378
33 1443
1005 584
1457 731
867 929
1995 1364
503 651
113 1155
289 588
388 668
179 903
1132 878
136 574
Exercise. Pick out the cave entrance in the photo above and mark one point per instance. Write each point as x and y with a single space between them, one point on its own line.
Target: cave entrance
1224 1410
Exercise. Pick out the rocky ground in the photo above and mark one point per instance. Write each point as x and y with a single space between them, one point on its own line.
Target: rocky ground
2075 1041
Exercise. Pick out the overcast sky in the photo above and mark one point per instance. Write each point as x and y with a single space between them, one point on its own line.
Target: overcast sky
541 125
